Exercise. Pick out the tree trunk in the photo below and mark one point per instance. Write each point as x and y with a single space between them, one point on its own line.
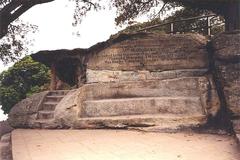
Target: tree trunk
232 16
13 10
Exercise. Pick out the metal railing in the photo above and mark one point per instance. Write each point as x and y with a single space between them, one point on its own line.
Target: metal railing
208 26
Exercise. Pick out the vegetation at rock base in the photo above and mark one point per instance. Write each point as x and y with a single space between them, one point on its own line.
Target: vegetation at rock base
21 80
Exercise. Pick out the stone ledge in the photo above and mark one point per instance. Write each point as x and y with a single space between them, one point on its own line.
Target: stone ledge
6 147
144 105
94 76
167 121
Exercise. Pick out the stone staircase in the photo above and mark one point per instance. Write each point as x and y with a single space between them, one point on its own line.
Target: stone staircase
45 115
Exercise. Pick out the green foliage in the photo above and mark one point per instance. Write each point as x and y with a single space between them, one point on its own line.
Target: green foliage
196 25
23 79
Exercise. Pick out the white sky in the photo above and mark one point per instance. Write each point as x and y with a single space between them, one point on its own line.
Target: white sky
54 21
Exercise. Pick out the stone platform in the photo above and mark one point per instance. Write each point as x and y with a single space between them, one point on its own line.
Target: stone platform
120 145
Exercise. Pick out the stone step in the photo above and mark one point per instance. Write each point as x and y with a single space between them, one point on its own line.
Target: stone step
139 106
45 124
58 92
236 125
55 98
166 121
49 106
45 114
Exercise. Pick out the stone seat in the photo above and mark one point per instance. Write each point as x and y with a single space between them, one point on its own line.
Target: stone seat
142 105
167 121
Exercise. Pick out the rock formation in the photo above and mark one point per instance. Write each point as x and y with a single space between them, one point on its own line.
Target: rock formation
140 80
226 55
144 80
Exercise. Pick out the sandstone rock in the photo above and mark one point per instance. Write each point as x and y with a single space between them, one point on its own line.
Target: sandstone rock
139 106
66 112
226 46
236 125
186 86
153 52
5 147
227 62
24 113
5 128
94 76
163 122
186 95
229 75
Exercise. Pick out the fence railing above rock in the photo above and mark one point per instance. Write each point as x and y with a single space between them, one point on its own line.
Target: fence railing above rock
211 20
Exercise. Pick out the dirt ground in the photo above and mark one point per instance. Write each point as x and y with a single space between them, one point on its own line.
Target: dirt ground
120 145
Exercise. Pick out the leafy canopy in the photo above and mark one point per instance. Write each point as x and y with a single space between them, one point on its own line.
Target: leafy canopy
195 25
21 80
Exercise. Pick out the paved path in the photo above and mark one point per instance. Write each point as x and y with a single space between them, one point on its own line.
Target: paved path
119 145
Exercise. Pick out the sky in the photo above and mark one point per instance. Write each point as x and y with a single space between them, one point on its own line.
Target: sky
55 30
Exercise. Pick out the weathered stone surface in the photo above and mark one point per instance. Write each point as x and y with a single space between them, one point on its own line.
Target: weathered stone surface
227 62
236 128
229 75
201 88
164 122
171 87
138 106
226 46
94 76
5 128
66 112
153 52
236 125
5 147
24 113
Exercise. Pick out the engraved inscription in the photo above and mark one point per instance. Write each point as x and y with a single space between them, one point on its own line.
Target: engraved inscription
138 55
156 53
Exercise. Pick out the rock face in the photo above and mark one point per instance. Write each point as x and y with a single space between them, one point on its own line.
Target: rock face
226 48
24 113
6 147
153 52
5 128
149 80
66 112
152 80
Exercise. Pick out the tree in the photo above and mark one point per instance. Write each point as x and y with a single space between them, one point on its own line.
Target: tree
10 10
195 25
127 10
14 44
13 31
229 9
23 79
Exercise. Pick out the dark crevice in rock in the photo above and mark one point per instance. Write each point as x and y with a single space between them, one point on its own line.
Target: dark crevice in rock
233 60
222 120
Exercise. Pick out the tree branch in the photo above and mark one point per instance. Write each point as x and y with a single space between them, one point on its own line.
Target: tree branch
13 10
